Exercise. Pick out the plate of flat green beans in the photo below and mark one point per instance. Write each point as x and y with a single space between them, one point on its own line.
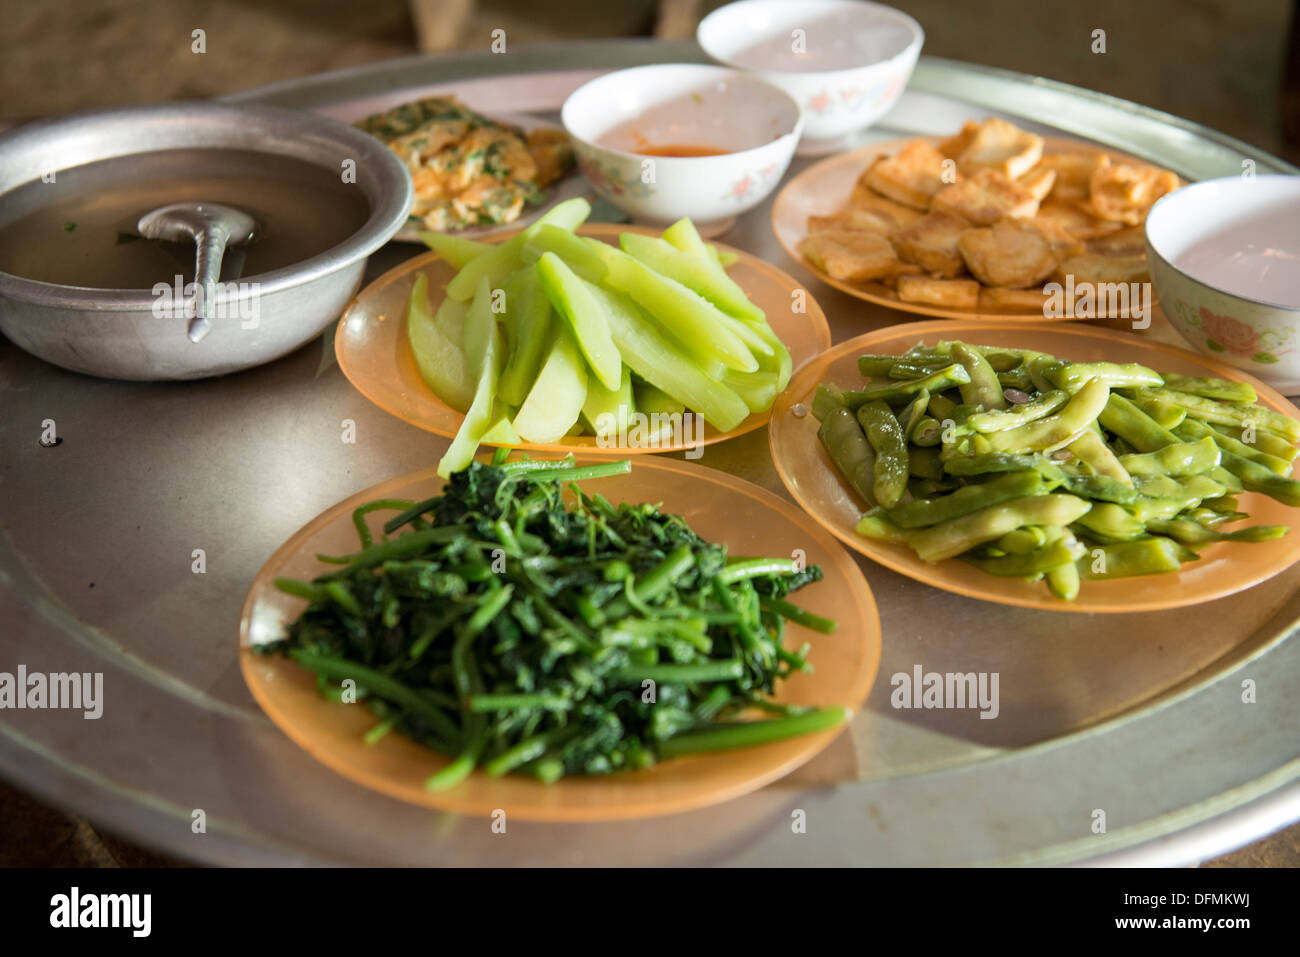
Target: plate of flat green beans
1069 468
561 640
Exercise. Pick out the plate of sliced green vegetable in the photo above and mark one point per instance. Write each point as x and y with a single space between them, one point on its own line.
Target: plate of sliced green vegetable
596 338
561 640
1070 469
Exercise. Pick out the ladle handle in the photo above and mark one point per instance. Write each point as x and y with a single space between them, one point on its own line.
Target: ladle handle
209 250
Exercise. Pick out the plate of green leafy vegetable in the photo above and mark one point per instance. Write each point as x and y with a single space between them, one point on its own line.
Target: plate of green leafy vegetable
592 338
1069 469
561 639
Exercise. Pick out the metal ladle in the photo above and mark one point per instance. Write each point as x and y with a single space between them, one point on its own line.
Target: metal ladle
211 227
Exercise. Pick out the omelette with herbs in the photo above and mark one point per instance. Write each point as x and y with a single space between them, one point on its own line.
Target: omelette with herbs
469 170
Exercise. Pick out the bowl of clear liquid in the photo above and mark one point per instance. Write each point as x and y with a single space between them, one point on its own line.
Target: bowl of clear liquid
83 288
1224 256
845 62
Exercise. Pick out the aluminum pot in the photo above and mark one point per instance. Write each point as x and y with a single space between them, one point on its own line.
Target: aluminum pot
122 333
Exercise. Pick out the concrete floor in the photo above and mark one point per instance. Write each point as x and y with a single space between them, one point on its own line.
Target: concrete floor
1217 62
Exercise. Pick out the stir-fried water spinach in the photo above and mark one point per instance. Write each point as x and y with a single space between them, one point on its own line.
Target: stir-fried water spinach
512 632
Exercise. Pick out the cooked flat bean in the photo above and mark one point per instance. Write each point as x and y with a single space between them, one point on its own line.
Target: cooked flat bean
1181 458
1149 508
849 449
1016 379
876 524
928 432
928 488
1225 413
1057 430
1133 425
1224 504
1212 388
1112 521
1091 449
1100 487
916 368
1226 479
1195 429
961 534
827 397
1032 565
1192 486
888 442
877 366
1041 369
1205 515
903 391
1022 540
983 389
924 463
1166 414
1063 582
1190 532
1268 442
1147 556
1072 376
999 357
1257 478
1031 411
969 498
914 412
942 407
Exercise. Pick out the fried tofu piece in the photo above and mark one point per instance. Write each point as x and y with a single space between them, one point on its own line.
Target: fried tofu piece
1001 146
1063 244
1073 173
911 176
931 243
986 197
1123 193
949 293
865 199
1076 221
853 220
1008 253
1038 181
998 299
1091 267
955 145
1124 242
852 256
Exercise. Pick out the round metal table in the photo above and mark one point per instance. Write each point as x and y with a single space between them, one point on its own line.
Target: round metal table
1179 727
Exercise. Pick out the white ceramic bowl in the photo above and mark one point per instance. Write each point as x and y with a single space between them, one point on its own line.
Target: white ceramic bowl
846 62
1224 256
649 107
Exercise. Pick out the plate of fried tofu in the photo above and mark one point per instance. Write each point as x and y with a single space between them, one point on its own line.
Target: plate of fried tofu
994 221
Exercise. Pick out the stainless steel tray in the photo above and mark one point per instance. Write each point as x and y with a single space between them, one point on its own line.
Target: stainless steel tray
1139 716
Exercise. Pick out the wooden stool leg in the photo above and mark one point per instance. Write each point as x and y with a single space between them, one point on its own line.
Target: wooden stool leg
440 24
1290 100
677 19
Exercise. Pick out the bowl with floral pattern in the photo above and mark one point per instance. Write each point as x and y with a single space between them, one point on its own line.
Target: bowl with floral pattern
673 140
845 61
1224 256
